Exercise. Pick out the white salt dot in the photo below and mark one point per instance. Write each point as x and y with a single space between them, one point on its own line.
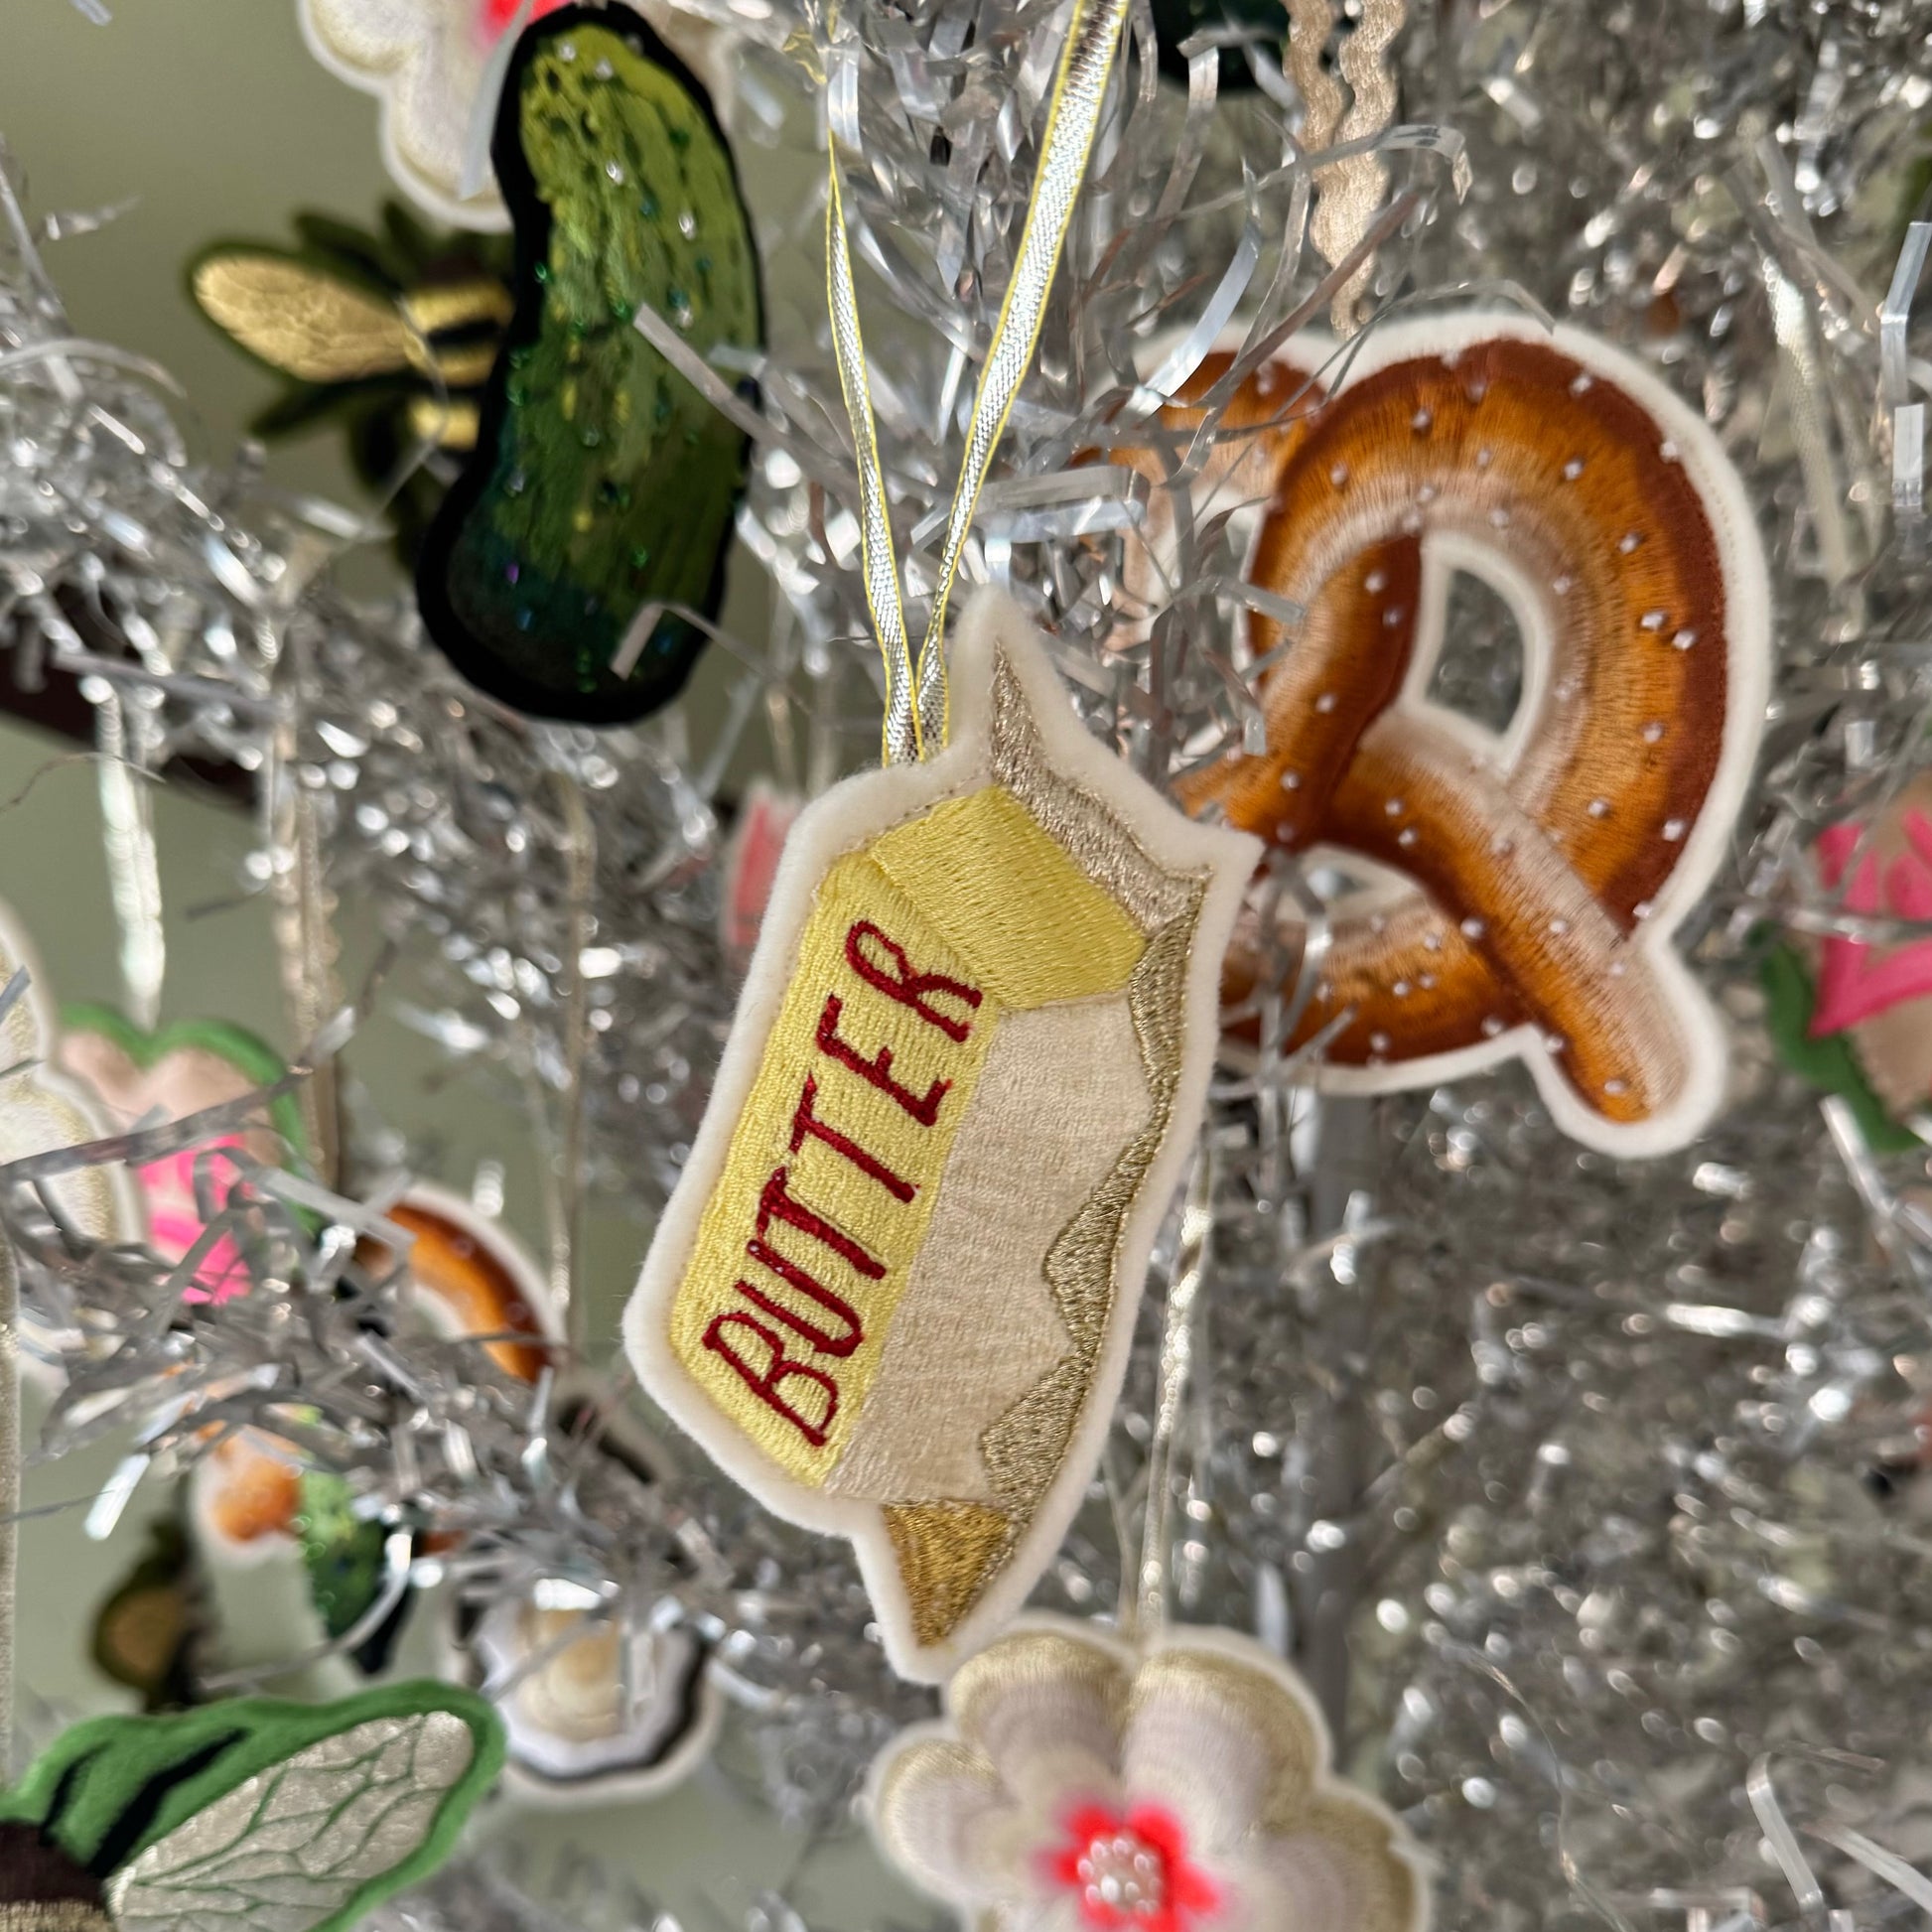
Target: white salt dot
1290 781
1339 475
1652 620
567 50
1426 981
1407 836
1556 1044
1376 581
1616 1086
1378 922
1559 927
614 171
1392 616
1499 518
1581 382
1616 969
1674 829
1564 690
1572 469
1685 639
1325 703
1476 391
1379 1042
1668 450
1600 808
1561 585
1472 928
1485 456
1642 909
1400 989
1491 1027
1411 522
1502 845
1324 990
1426 493
1653 731
1628 541
1393 806
1421 421
1433 940
1284 832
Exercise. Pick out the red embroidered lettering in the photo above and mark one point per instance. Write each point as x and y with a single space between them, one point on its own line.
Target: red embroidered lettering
777 1203
765 1383
909 988
814 1289
878 1069
805 1122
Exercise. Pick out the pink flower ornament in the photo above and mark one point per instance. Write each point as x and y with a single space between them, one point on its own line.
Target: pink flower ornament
1079 1785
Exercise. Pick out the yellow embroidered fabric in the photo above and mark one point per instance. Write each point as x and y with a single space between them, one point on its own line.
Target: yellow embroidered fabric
1010 899
972 892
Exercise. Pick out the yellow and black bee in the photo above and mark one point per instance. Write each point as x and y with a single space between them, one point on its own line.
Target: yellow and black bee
388 333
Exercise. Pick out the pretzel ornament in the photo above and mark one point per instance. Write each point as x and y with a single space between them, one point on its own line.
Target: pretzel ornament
1522 888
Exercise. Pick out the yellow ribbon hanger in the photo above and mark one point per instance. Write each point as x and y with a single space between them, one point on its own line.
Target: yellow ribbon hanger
916 702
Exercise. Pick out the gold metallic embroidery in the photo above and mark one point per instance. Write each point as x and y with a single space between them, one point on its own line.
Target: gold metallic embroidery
945 1552
1082 823
53 1915
299 321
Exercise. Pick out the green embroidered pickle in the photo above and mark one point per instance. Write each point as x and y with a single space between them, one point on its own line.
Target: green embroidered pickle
602 482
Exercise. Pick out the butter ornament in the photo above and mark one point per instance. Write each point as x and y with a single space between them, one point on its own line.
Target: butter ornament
895 1288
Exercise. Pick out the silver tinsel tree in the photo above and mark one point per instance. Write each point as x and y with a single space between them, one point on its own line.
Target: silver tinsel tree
1556 1474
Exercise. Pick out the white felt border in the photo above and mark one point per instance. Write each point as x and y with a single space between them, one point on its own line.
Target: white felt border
498 1240
1748 662
621 1784
128 1209
1210 1639
848 816
388 83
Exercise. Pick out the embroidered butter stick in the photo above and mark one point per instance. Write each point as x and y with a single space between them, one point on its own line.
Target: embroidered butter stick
895 1288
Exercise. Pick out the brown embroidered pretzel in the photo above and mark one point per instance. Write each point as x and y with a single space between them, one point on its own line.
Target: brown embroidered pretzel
1540 873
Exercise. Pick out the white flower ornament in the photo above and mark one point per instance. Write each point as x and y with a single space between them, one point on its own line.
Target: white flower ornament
1078 1785
428 60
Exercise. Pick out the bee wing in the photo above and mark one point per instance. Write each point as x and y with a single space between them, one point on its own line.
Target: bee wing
301 320
262 1816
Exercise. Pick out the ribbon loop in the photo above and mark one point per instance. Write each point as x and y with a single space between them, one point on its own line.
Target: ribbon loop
916 702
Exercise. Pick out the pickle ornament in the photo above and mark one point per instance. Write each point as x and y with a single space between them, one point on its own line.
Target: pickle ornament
602 482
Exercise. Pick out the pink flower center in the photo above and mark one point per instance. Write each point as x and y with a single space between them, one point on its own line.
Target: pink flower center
497 14
1129 1872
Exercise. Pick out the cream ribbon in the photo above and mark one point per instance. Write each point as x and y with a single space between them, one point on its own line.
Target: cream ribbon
917 701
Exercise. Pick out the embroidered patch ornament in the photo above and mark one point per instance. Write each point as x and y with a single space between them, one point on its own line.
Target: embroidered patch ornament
1518 891
260 1815
150 1078
1080 1785
1853 1017
895 1288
